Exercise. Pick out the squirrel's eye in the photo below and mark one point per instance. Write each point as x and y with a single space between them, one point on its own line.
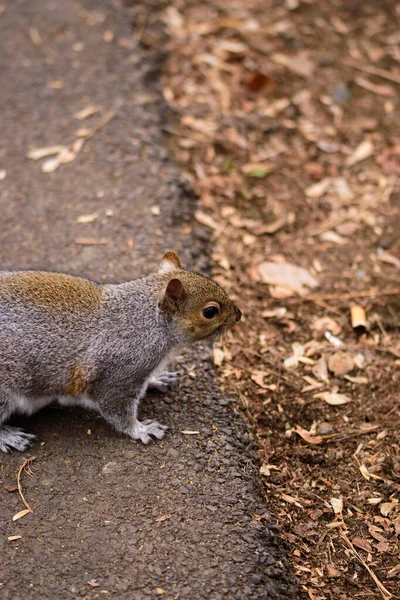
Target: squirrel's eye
210 312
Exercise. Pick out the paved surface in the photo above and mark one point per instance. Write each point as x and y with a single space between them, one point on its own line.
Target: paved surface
113 518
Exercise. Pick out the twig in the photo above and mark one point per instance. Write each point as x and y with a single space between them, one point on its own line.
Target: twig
385 593
26 463
376 71
348 295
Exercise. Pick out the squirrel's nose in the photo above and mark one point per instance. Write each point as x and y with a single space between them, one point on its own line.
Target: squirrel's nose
238 315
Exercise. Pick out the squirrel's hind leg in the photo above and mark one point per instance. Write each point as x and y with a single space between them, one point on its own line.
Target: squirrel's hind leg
11 437
14 438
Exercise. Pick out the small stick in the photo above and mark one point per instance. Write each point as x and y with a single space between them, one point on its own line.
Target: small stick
26 463
385 593
347 296
376 71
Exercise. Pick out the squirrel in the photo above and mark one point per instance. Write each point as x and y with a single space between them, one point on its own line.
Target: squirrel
99 345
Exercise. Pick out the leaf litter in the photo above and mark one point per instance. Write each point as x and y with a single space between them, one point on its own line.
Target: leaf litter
295 158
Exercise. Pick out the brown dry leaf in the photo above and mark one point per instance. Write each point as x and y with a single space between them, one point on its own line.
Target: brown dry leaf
258 378
10 488
362 152
307 437
93 583
332 571
387 507
287 276
22 513
320 370
362 543
333 398
368 475
323 324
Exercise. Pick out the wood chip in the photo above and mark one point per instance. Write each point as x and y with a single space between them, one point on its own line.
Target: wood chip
84 113
21 513
205 219
190 432
13 538
91 241
362 152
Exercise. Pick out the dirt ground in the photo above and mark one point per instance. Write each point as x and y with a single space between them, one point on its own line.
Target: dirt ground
112 518
285 119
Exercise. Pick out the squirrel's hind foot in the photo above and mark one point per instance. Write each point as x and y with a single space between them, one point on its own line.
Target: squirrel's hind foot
14 438
142 430
161 381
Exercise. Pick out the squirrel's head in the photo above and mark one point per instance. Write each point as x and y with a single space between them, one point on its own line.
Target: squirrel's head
201 307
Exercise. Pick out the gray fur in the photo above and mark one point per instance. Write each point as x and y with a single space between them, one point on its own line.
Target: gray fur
119 343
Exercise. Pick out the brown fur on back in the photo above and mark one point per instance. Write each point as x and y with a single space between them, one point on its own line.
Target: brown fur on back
78 384
50 290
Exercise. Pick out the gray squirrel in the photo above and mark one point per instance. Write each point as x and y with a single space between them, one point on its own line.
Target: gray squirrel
99 346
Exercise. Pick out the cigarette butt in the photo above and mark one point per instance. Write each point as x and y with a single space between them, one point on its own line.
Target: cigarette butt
358 317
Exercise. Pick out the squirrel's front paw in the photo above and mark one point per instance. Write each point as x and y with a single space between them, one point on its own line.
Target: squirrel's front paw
142 430
161 381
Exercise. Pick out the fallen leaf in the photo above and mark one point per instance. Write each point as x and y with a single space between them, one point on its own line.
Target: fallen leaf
93 583
387 507
362 543
10 488
21 514
337 505
323 324
286 275
307 437
258 378
160 591
333 398
368 475
333 571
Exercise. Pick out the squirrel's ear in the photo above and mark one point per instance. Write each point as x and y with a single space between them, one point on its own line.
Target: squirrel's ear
170 262
173 295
